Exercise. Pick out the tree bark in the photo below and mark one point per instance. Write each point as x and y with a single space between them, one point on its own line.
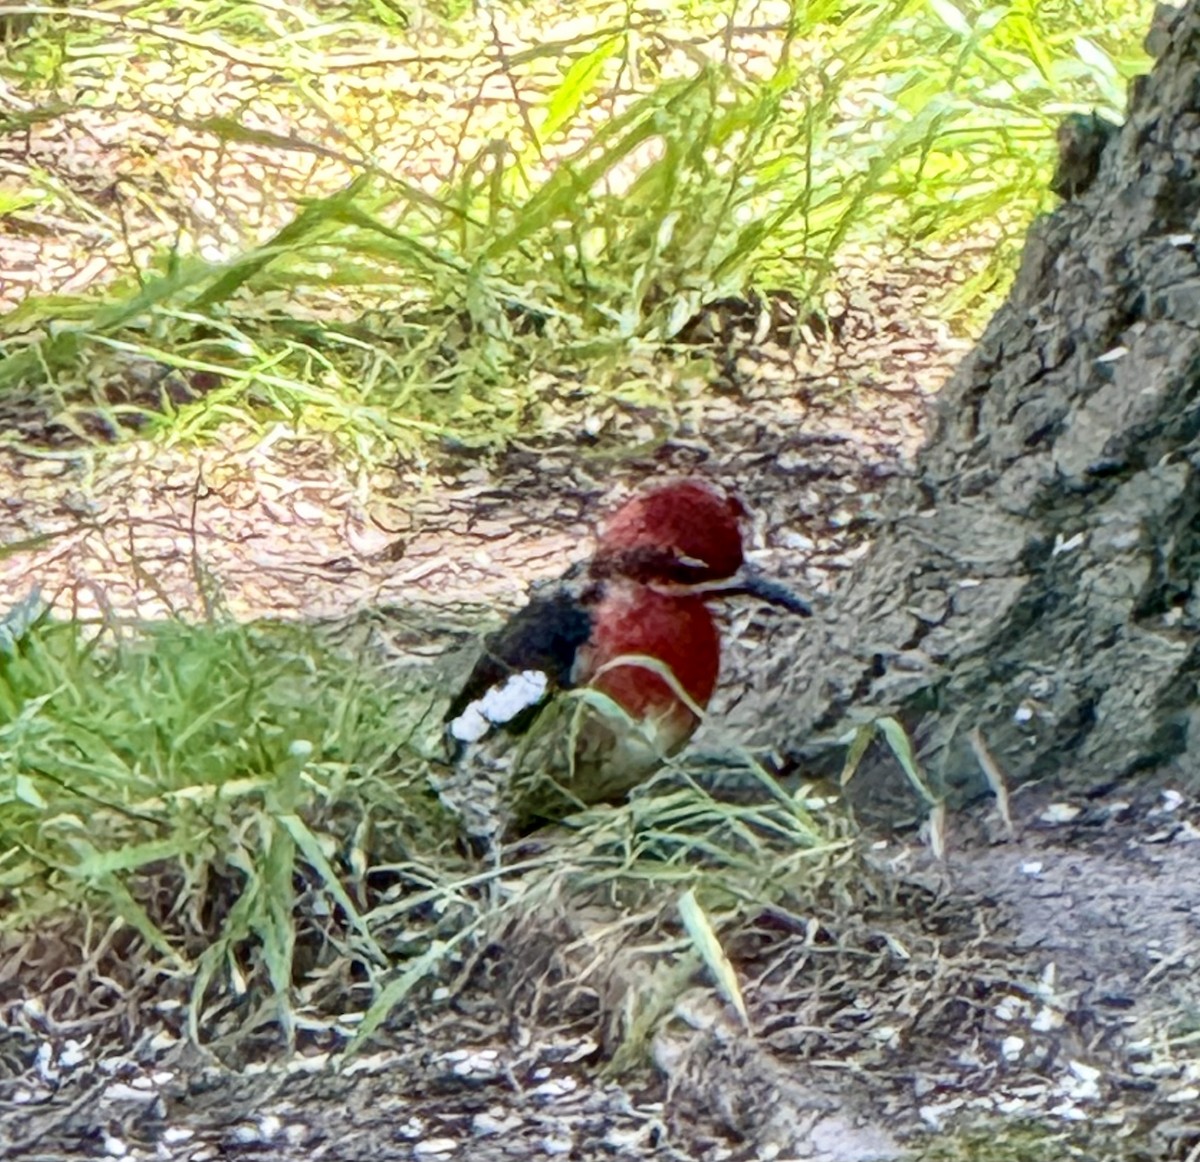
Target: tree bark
1035 580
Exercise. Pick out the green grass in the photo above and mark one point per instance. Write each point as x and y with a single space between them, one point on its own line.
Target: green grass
168 775
402 317
1006 1139
254 804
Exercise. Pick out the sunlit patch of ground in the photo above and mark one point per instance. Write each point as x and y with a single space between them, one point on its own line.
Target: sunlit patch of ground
279 523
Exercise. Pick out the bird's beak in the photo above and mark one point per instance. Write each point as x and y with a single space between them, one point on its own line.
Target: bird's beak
749 582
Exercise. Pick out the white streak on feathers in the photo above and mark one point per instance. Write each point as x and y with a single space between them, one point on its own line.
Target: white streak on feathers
501 704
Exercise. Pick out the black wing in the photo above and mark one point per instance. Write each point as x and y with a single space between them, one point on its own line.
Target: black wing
544 636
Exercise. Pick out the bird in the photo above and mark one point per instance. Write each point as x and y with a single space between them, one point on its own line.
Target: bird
605 672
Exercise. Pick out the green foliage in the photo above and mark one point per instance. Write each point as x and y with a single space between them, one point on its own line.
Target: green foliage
224 790
1024 1139
647 171
229 791
190 764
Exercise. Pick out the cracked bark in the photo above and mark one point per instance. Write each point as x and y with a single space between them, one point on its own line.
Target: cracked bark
1036 578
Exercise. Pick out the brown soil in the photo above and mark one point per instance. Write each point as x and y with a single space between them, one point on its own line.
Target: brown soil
279 524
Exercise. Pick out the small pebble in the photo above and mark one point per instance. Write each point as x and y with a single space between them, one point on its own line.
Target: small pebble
435 1147
1059 813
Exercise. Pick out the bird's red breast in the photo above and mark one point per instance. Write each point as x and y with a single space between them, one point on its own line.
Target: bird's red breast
677 632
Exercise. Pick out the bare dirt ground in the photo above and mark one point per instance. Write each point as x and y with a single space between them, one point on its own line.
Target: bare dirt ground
279 524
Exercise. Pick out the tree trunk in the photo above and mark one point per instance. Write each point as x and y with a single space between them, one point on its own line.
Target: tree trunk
1036 578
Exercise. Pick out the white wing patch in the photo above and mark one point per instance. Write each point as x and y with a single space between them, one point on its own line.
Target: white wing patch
499 705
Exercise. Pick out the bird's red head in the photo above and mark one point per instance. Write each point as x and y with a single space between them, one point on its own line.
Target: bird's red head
686 532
